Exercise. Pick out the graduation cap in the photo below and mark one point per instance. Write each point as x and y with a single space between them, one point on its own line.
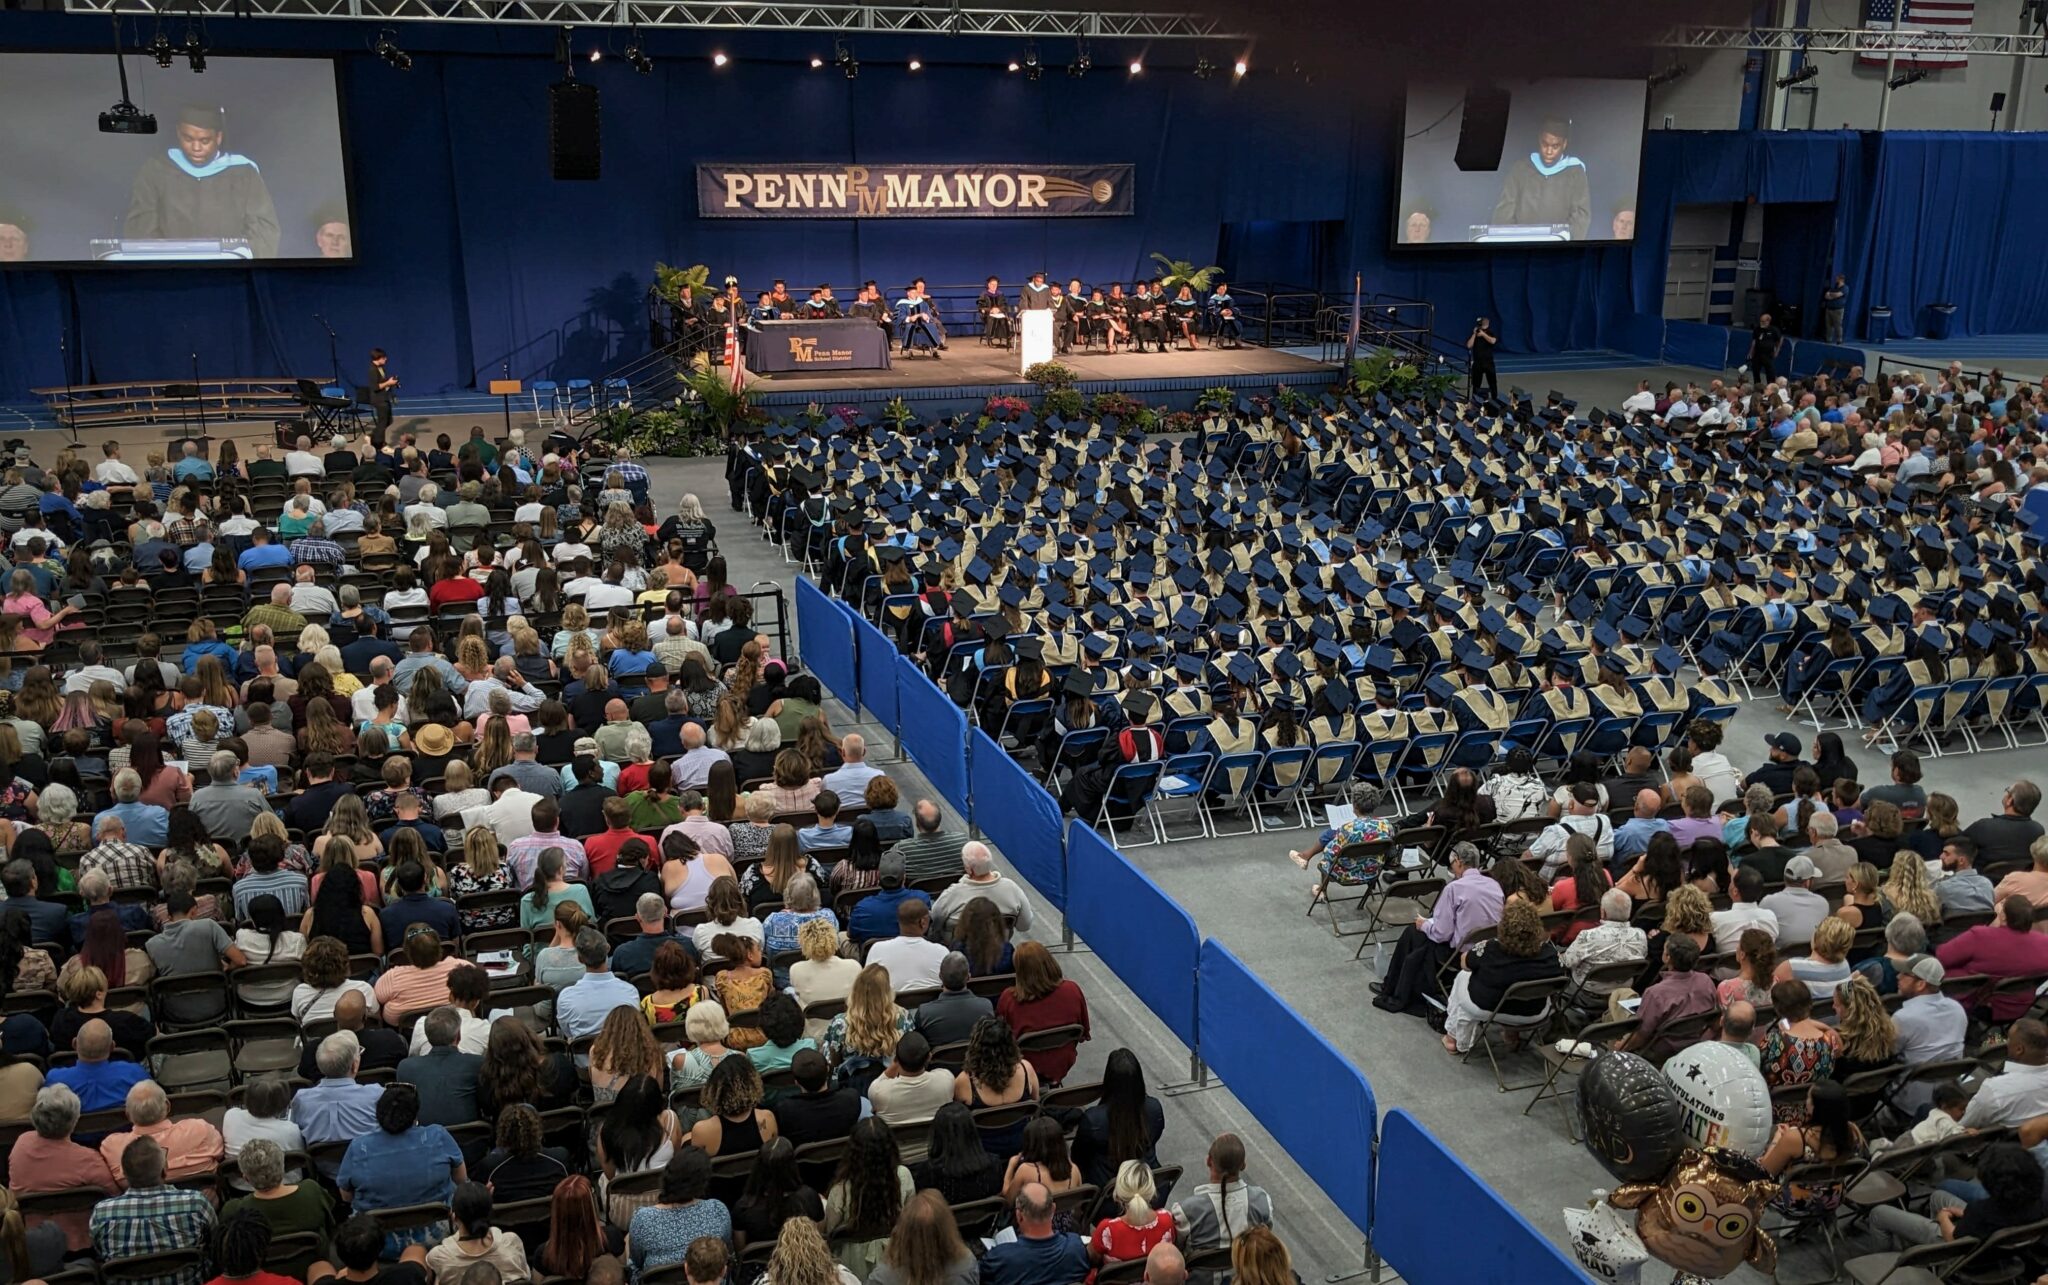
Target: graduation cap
1713 657
1471 655
1010 595
1327 651
1097 645
1668 659
1059 613
1440 687
1312 597
1379 660
1243 669
1398 599
1287 665
1603 633
1527 606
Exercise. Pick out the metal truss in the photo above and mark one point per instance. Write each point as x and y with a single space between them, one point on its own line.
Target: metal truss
710 15
1854 40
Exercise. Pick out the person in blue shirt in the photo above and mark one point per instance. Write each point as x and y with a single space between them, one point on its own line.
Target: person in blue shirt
191 465
413 906
99 1082
1039 1255
403 1163
875 914
265 552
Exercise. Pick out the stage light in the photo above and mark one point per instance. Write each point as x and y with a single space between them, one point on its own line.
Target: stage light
637 57
1031 55
816 62
1013 64
597 55
160 49
387 49
124 117
1800 77
1204 69
842 57
915 65
1240 68
195 50
1911 76
1136 66
719 60
1669 74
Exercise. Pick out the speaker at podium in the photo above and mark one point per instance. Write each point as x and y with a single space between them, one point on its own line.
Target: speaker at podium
1034 338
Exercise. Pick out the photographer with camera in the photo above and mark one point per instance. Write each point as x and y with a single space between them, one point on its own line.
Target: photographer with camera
1480 345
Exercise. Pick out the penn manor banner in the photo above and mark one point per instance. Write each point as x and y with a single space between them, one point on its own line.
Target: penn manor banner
804 191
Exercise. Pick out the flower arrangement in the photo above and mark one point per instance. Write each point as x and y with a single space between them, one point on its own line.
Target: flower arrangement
1050 375
1003 409
1179 421
1122 405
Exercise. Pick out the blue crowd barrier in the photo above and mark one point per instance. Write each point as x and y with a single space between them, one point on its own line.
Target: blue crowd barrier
1485 1240
934 734
824 639
1310 1097
1019 817
1148 940
875 657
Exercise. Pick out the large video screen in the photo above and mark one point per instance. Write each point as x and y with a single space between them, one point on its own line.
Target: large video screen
245 165
1567 171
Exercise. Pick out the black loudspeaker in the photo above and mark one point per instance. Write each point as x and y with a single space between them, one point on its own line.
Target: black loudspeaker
1483 129
574 151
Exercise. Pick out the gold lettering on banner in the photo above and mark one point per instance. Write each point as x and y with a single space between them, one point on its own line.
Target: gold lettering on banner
737 186
804 352
902 191
881 191
770 188
1031 191
1001 191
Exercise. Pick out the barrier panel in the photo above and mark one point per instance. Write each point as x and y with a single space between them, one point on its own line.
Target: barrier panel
875 661
1018 816
934 734
1145 937
1484 1241
1310 1097
825 641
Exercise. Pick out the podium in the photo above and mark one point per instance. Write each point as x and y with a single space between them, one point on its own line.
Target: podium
507 389
1034 337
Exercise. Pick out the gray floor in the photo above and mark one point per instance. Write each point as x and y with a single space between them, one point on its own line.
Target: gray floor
1244 892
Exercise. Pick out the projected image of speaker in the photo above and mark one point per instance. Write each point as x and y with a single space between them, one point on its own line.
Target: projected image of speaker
1484 128
574 150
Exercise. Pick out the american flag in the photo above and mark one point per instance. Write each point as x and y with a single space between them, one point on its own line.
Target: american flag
735 356
1930 32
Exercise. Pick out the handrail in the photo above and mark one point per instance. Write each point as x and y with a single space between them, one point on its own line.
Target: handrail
2003 374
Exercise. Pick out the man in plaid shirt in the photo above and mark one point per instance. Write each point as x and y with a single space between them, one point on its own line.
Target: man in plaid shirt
125 864
277 613
315 549
150 1217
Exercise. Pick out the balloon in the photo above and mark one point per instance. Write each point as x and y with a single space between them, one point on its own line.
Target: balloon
1605 1241
1725 1100
1706 1217
1632 1117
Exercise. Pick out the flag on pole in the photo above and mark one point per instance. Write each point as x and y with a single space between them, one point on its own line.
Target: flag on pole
1351 335
1931 35
735 356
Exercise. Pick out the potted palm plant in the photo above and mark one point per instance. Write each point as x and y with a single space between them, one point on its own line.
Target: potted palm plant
1174 273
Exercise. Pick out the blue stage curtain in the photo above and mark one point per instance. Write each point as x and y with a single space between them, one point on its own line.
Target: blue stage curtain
1798 255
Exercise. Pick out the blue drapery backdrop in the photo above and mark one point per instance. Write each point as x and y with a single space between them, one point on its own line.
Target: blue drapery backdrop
473 262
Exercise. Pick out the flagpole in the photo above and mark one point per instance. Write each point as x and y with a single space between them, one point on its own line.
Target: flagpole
1351 336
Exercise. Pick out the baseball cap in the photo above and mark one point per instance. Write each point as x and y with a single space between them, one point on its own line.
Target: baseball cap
1783 742
1925 967
892 870
1801 867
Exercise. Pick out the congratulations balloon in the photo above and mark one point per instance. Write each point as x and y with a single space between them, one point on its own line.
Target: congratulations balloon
1706 1217
1632 1117
1723 1096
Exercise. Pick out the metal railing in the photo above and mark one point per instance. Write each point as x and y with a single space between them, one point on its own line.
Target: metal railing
1406 326
1940 368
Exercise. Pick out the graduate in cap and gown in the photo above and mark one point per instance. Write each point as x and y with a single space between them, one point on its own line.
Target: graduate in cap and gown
197 188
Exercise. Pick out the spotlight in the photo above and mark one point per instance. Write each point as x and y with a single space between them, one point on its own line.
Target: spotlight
1669 74
1137 66
816 62
915 65
1204 69
719 60
842 57
387 49
1800 77
1240 68
597 55
1013 64
637 57
1031 55
1911 76
160 49
195 50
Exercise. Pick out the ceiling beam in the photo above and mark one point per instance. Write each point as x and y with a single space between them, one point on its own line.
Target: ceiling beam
1854 40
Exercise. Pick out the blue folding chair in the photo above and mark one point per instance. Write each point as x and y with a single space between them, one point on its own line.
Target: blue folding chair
1075 748
1183 781
1232 783
1130 794
1281 779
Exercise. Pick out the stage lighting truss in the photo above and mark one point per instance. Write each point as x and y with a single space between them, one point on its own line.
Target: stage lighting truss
722 15
1876 41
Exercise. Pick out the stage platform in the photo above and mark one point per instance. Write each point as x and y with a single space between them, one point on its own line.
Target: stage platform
968 373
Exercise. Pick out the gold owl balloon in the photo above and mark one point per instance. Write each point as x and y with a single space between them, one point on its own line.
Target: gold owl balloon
1705 1217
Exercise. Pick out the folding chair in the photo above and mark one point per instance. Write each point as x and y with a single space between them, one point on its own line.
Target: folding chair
1184 780
1914 1265
1333 872
1231 783
1570 1062
1546 989
264 1045
1130 790
1414 895
197 1059
1329 775
1821 1215
1281 779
